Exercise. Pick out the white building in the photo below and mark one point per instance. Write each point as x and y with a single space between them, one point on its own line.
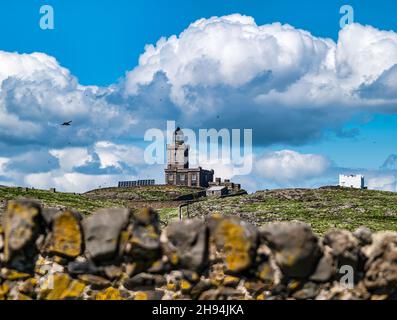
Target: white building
217 191
352 181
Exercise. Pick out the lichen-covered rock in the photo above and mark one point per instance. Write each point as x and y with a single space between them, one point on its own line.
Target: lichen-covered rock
45 265
308 291
144 281
4 290
82 267
95 282
128 257
49 214
216 273
142 240
148 295
363 235
179 284
381 266
102 232
326 267
146 217
236 242
186 244
22 289
252 288
222 293
200 287
267 270
231 281
22 225
109 294
27 287
61 286
337 291
13 275
112 272
345 248
296 248
66 236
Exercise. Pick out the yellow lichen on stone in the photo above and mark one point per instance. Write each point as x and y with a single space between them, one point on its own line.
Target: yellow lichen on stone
28 286
40 267
60 286
67 237
236 245
263 272
293 285
262 296
16 237
59 260
379 297
217 276
216 216
156 264
22 296
185 286
171 286
124 239
231 280
266 273
109 294
174 259
289 258
74 291
140 295
14 275
144 215
195 276
4 289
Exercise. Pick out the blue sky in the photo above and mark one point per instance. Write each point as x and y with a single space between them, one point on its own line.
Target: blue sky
99 43
90 33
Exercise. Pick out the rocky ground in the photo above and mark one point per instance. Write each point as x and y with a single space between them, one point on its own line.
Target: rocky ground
118 254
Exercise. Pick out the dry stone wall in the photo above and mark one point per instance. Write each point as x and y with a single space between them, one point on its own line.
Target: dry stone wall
116 254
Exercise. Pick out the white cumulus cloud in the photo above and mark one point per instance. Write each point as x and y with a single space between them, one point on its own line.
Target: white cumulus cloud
288 167
230 72
286 84
383 182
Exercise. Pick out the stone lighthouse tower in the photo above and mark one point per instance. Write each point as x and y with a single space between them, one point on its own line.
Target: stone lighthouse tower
178 152
177 171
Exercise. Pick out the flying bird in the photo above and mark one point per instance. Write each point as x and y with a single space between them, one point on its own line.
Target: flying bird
66 123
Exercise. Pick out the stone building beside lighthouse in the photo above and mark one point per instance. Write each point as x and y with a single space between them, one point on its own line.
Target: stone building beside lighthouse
177 171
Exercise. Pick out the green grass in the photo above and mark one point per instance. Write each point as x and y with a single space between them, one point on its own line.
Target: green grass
105 198
148 193
322 209
167 214
76 202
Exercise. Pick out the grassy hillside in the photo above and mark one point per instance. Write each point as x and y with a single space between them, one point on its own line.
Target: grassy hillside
147 193
323 209
159 197
63 200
